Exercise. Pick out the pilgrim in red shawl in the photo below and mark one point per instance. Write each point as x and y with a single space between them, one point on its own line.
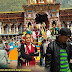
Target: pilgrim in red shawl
28 51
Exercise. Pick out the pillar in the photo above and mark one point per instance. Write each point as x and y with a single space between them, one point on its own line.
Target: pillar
16 28
10 29
7 29
0 27
67 24
21 28
71 27
24 20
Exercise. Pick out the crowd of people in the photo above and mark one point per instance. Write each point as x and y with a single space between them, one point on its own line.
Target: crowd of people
57 52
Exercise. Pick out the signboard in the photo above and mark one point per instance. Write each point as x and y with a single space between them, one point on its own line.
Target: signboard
49 1
40 1
32 1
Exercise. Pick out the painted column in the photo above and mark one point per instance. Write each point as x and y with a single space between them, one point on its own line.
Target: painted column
71 27
7 28
14 28
21 28
0 27
10 28
17 28
24 20
67 24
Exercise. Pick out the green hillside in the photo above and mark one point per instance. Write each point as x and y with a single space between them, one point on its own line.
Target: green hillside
65 3
16 5
11 5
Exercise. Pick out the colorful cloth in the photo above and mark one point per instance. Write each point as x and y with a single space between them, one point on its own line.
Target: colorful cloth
30 32
64 65
4 66
29 49
33 34
11 43
43 33
24 32
7 49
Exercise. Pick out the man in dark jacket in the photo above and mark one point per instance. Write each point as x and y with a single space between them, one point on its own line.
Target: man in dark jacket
59 53
19 53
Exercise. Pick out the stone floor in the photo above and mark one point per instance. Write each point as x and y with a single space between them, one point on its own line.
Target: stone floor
36 68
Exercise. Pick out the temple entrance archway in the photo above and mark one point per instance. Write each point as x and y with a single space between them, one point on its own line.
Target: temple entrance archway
29 24
42 17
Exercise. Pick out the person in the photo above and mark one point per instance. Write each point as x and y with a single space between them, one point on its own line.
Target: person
7 48
34 35
2 44
11 43
19 53
4 59
18 42
4 41
42 55
28 51
59 53
45 45
48 33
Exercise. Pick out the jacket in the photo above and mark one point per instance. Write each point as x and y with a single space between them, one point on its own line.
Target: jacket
52 59
4 59
30 55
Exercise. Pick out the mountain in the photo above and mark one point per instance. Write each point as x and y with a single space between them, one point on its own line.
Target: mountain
16 5
11 5
65 3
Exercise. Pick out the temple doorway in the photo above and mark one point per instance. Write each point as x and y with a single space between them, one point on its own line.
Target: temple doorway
42 17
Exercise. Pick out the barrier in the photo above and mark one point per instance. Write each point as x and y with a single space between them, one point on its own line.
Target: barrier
13 54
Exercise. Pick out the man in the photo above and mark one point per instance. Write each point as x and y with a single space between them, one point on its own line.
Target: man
11 43
59 53
28 51
19 53
42 54
49 39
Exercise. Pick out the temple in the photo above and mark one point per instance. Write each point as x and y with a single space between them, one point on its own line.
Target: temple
41 11
46 12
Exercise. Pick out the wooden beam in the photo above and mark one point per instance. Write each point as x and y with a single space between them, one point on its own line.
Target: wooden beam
11 18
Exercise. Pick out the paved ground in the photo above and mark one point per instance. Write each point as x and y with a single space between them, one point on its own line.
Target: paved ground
36 68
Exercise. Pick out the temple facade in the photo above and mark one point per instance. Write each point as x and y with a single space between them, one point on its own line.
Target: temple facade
35 12
41 11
